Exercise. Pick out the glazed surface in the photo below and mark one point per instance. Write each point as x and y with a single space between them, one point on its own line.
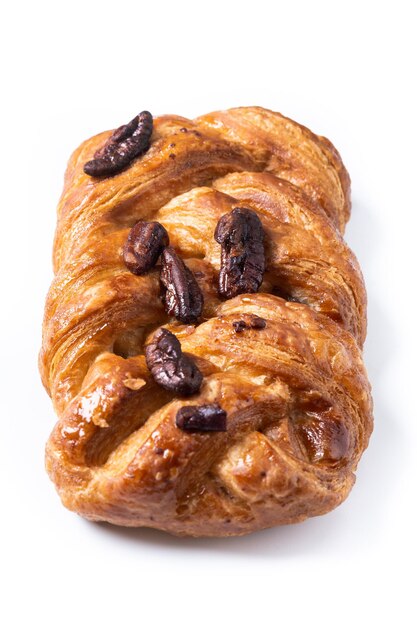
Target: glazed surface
299 410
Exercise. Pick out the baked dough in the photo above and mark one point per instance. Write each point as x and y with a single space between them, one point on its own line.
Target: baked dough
299 410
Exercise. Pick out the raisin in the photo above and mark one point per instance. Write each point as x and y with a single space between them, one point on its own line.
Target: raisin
241 236
239 326
143 246
180 291
202 418
257 323
124 145
169 367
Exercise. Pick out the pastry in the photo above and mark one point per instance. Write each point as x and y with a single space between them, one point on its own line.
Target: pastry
203 332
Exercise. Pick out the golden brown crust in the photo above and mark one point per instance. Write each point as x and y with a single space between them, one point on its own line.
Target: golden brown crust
296 392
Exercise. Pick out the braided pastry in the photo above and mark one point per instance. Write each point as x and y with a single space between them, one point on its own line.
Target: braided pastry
202 335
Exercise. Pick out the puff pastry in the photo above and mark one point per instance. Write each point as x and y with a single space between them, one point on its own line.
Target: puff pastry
294 388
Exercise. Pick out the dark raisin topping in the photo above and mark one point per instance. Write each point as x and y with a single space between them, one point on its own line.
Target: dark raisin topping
202 418
241 236
239 326
180 291
169 367
124 145
143 246
257 323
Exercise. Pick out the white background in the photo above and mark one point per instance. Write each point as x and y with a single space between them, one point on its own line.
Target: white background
346 70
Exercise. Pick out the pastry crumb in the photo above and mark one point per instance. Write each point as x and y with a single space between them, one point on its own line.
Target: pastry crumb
134 383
